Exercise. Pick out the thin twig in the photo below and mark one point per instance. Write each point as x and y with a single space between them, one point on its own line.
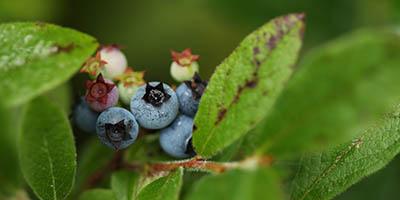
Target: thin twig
196 163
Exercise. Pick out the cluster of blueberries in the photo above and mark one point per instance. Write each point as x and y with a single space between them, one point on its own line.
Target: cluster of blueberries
153 105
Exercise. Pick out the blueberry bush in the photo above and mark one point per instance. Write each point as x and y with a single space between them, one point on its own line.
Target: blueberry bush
271 122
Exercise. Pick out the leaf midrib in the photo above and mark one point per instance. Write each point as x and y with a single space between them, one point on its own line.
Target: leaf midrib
212 132
46 148
333 165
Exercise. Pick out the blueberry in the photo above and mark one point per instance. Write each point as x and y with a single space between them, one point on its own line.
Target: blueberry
189 94
155 105
117 128
101 94
84 117
176 140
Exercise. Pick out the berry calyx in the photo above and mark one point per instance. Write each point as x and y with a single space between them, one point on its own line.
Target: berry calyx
117 128
101 93
155 95
98 90
131 78
116 133
197 86
185 58
93 65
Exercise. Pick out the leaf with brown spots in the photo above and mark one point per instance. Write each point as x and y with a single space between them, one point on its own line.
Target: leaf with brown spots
236 98
340 88
37 57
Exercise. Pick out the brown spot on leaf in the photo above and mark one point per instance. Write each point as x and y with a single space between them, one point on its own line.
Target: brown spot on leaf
221 115
256 50
257 62
271 43
194 127
248 84
251 83
66 48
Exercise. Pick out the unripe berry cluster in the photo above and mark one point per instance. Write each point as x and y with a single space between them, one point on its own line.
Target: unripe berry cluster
153 105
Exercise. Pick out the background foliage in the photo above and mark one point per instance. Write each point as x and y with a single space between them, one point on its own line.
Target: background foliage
149 29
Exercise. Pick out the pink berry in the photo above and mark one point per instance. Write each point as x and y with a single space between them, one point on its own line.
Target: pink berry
101 94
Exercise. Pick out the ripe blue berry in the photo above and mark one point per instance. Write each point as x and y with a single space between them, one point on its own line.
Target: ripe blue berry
176 140
84 117
189 94
117 128
101 94
155 105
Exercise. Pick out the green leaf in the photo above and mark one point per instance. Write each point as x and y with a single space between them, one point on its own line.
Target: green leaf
238 184
98 194
341 87
62 96
123 184
384 184
10 175
325 175
36 57
47 150
92 158
164 188
246 85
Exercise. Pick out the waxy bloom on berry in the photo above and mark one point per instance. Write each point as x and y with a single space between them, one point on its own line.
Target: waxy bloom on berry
184 65
101 93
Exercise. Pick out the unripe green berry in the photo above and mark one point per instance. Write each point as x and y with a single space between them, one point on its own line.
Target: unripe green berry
183 73
184 65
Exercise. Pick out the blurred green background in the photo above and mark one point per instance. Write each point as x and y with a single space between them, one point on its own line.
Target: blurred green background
212 28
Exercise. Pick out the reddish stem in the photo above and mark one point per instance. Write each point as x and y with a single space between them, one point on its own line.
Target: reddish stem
195 163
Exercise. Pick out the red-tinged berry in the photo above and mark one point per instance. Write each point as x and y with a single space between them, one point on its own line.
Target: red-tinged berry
101 93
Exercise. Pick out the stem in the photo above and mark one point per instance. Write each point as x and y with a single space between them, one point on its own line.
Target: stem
197 163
